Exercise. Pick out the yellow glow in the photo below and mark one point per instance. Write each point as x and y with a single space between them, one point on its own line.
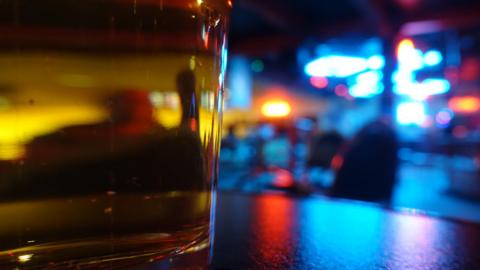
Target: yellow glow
19 126
143 72
404 46
9 152
13 137
25 258
199 2
168 118
24 124
278 108
76 80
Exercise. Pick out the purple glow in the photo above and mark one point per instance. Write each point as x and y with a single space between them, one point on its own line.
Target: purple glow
444 117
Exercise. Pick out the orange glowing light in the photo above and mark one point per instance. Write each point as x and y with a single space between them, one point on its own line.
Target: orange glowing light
467 104
278 108
404 46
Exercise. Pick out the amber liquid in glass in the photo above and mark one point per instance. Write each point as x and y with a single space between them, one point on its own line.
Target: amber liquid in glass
110 116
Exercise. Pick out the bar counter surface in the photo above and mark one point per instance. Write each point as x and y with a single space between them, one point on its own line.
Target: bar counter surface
278 232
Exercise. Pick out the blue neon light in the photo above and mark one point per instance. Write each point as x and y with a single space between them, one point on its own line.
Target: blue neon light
411 113
240 83
376 62
336 66
411 60
435 86
420 91
367 84
365 91
369 77
432 58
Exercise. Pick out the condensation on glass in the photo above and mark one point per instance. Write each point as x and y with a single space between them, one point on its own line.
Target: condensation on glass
110 114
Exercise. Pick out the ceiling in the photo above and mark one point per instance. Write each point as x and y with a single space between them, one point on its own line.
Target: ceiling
279 26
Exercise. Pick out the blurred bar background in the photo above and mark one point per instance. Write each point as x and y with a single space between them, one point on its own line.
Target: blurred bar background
367 100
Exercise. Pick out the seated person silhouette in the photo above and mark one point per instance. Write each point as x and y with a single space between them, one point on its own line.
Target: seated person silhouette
369 165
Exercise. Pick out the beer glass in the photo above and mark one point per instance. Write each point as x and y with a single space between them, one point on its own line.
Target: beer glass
110 115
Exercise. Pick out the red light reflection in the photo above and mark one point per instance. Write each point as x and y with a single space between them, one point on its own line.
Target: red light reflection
274 236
